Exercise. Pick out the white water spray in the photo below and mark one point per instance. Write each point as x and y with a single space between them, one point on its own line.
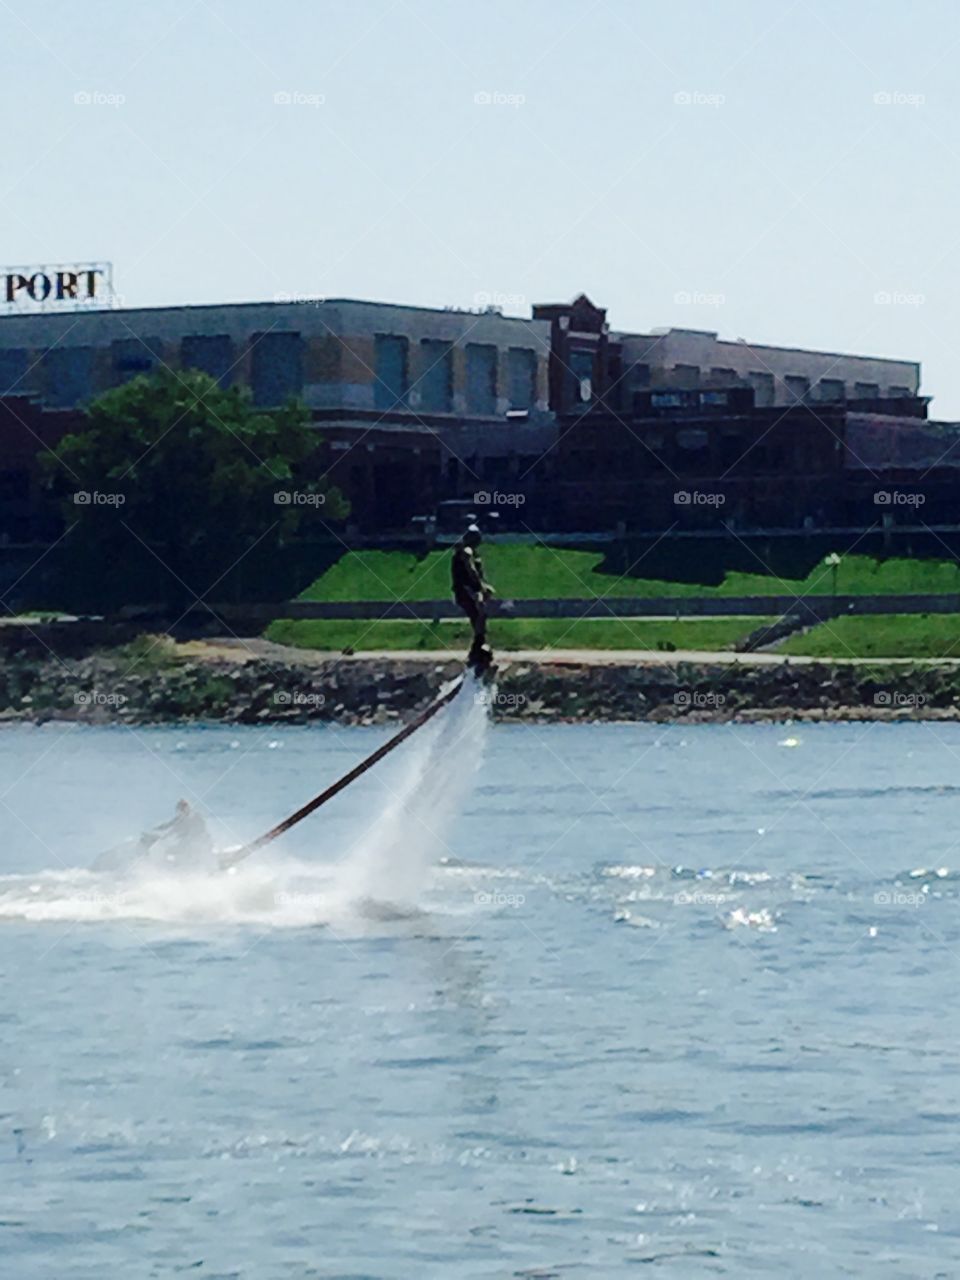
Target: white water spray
391 864
383 874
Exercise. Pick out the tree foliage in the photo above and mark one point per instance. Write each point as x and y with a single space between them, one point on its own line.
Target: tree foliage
177 466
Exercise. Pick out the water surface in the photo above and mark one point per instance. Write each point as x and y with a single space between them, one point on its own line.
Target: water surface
644 995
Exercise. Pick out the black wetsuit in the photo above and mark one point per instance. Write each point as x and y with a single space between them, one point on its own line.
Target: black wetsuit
466 574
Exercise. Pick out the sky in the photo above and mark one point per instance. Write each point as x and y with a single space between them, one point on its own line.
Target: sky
786 172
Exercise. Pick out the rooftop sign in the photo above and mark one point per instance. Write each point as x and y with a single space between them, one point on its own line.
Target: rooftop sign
60 286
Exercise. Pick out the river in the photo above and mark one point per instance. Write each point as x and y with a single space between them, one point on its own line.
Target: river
538 1001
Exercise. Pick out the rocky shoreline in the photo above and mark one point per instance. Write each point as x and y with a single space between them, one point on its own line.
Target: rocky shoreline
182 685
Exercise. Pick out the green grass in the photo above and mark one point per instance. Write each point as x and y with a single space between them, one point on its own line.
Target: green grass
514 633
539 572
894 635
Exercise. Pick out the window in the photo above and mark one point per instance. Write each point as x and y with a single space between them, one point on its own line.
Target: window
211 354
481 378
68 376
797 388
686 375
521 378
13 369
391 369
762 384
640 375
724 377
581 373
830 389
693 450
897 392
436 378
276 370
131 357
866 390
693 439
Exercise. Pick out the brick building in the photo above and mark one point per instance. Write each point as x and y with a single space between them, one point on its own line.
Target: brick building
594 427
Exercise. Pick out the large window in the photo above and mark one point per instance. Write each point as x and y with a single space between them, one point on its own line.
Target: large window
830 389
522 377
131 357
391 370
68 376
13 368
762 384
213 354
481 378
797 388
686 375
276 368
436 377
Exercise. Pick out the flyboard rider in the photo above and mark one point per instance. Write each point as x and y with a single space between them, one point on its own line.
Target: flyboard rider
471 592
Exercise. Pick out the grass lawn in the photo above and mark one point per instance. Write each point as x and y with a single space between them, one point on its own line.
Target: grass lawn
895 635
540 572
514 633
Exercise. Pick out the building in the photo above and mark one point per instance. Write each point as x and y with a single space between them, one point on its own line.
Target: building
337 356
589 363
410 399
592 428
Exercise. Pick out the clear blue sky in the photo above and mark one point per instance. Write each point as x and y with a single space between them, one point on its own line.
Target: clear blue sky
782 198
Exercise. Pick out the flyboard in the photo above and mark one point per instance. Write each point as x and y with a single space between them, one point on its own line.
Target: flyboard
480 665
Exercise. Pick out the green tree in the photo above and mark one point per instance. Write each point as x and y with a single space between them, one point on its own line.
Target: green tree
173 467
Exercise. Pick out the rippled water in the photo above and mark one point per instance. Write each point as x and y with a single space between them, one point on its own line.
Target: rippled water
663 995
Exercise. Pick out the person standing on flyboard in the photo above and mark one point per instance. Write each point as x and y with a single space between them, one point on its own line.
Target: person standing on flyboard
471 592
